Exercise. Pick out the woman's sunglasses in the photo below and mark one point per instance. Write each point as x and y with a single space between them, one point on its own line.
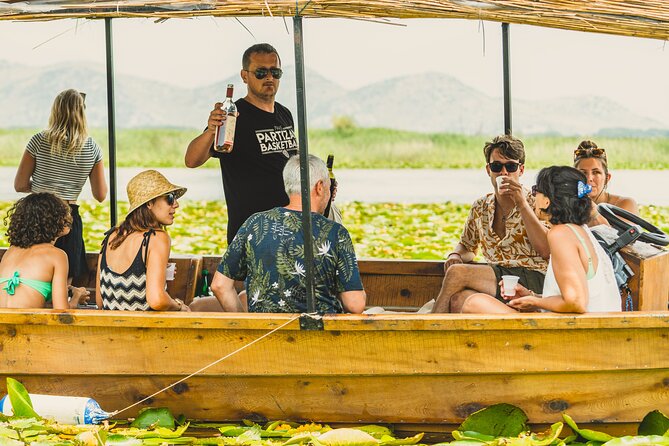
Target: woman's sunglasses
589 153
261 73
535 191
170 198
497 166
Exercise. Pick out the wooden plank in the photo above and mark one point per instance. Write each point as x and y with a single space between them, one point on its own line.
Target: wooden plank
400 290
654 283
402 267
39 349
341 322
602 397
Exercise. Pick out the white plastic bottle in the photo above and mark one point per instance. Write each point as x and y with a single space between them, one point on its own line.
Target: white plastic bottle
63 409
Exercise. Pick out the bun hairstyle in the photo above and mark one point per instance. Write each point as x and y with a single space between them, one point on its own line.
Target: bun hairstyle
588 149
560 185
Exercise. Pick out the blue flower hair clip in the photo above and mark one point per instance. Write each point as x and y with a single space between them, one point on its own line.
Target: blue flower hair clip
583 189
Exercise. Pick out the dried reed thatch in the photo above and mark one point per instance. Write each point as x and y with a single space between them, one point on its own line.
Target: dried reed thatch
639 18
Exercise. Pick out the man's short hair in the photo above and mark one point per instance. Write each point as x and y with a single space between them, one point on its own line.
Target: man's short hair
263 48
318 171
508 146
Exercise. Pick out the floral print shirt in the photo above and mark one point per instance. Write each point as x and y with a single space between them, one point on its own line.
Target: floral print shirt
268 253
514 250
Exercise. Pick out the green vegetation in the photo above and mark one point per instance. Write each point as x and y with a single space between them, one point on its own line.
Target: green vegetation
378 230
367 148
496 425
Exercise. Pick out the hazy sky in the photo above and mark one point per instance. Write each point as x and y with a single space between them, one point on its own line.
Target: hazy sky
545 63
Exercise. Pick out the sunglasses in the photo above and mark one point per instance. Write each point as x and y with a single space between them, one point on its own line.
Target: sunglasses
535 191
497 166
589 153
170 198
261 73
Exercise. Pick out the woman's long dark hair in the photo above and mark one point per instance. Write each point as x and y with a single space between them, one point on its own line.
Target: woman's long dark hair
139 220
560 185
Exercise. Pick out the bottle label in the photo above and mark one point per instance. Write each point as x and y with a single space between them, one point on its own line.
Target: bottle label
229 132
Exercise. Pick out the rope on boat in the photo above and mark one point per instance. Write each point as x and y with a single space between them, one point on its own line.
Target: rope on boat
209 365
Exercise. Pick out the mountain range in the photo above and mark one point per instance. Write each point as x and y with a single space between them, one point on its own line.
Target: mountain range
428 102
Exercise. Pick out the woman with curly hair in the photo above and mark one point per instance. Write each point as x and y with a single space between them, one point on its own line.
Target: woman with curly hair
580 275
133 260
591 160
60 159
33 272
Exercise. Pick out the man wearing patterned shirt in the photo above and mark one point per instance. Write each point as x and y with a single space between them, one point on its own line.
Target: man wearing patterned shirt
268 254
504 226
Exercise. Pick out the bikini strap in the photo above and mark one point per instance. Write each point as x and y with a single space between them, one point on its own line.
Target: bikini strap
12 283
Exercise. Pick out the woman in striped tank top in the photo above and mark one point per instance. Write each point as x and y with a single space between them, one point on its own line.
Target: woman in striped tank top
133 260
59 160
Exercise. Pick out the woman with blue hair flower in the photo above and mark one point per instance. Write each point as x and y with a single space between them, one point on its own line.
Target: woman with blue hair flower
580 276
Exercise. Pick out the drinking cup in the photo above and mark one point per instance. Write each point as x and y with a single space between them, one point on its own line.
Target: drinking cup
499 180
509 283
171 270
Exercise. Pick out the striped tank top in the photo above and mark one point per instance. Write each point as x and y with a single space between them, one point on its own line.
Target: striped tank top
127 290
64 176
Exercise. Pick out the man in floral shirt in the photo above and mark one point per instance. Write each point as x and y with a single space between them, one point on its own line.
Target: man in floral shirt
268 254
504 227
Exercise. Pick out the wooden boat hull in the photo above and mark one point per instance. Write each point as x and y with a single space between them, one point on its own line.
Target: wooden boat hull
411 370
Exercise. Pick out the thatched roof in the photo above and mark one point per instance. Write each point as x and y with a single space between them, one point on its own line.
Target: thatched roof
640 18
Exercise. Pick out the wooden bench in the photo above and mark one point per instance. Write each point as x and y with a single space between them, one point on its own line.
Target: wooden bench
188 272
408 284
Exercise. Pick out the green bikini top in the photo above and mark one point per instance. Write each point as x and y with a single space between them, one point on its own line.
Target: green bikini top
44 288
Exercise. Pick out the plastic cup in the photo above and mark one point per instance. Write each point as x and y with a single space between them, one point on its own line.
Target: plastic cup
509 283
171 270
499 180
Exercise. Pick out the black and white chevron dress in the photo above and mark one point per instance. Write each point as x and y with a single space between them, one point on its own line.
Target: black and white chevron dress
127 290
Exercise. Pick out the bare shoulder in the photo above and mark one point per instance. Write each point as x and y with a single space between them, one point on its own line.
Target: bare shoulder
50 252
162 237
627 203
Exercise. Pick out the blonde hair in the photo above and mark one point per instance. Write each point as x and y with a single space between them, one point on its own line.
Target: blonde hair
67 130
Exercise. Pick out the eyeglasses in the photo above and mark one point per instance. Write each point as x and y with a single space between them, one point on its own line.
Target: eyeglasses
170 198
589 153
496 166
261 73
535 190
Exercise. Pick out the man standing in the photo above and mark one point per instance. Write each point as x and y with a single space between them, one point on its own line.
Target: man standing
264 140
503 224
268 253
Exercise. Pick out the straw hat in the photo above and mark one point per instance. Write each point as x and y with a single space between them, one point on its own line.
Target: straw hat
147 185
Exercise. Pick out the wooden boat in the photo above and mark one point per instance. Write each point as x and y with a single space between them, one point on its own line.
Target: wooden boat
418 372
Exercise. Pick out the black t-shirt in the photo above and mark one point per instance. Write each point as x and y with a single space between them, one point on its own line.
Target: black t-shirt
253 171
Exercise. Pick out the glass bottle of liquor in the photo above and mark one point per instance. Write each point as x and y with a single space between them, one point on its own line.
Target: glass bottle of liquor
225 133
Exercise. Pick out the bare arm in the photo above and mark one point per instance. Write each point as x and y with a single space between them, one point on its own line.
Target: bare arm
536 230
59 281
354 301
197 152
459 255
98 181
98 293
224 290
22 180
156 265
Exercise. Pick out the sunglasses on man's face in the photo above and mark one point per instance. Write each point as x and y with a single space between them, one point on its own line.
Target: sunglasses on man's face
261 73
589 153
170 198
496 166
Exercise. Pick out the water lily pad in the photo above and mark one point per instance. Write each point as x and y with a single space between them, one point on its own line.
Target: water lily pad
649 440
21 404
154 416
345 437
586 434
499 420
655 423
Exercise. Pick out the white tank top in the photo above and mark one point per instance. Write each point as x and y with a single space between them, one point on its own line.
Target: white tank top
603 293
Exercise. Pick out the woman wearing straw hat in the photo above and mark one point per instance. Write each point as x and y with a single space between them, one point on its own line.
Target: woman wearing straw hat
134 256
59 160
